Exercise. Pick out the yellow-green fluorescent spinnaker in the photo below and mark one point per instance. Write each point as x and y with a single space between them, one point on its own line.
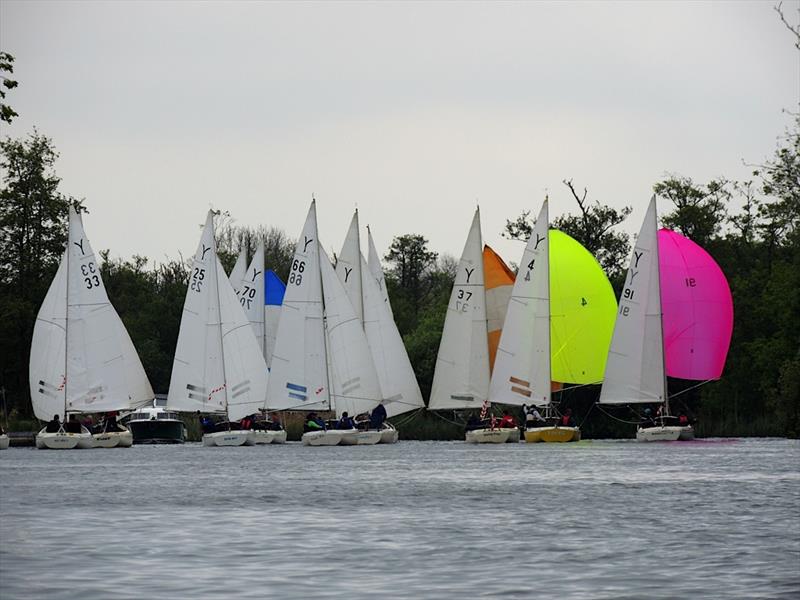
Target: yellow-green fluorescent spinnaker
582 312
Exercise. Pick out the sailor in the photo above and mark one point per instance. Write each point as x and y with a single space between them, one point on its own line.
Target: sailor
73 425
508 420
473 423
54 425
567 420
647 419
345 422
313 423
378 416
206 423
533 418
683 420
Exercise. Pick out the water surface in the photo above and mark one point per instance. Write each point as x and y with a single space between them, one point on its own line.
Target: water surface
716 518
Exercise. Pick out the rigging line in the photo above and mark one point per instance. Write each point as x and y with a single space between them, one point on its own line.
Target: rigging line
615 418
587 415
692 388
436 413
408 418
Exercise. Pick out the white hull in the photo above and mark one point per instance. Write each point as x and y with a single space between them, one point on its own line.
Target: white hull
489 436
666 433
113 439
322 438
513 436
259 437
349 437
389 435
369 438
226 438
63 440
279 437
4 441
687 433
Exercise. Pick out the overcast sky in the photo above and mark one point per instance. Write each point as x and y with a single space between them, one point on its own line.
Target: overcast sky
411 111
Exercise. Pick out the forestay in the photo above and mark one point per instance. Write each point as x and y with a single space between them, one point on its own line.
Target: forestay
522 367
354 382
218 365
298 375
635 366
398 383
461 378
103 370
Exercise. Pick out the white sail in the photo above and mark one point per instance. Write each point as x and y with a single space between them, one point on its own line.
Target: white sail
101 370
461 378
218 366
298 371
375 268
399 385
239 268
348 267
353 378
635 367
522 366
251 295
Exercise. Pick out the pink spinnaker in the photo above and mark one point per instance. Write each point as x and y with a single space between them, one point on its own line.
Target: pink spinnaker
697 309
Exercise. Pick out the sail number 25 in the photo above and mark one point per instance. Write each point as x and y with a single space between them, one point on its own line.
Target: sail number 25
296 276
197 279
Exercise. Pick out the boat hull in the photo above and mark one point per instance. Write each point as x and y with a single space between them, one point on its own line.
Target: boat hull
488 436
687 433
157 432
63 440
321 438
513 436
389 435
226 438
113 439
552 434
4 441
260 437
667 433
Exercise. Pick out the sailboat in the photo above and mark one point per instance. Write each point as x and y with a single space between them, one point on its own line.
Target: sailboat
82 358
557 327
218 366
399 388
321 359
675 318
239 268
461 377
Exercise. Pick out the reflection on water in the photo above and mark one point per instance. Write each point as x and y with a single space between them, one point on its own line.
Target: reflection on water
416 519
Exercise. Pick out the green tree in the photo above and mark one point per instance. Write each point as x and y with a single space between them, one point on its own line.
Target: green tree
33 227
7 113
593 228
700 210
278 247
411 262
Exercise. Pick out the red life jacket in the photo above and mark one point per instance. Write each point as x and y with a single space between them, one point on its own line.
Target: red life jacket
565 420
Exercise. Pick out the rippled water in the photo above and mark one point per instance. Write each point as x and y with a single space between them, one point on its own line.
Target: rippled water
413 520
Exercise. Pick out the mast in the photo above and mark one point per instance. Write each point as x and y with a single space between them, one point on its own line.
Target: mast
66 325
665 413
219 314
358 266
324 322
549 312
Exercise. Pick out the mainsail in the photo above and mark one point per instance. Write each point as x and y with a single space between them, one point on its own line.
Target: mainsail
299 374
239 269
348 268
82 358
522 369
399 385
218 365
354 382
635 367
461 378
251 290
375 268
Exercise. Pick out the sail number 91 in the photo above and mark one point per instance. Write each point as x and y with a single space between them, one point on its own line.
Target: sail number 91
296 276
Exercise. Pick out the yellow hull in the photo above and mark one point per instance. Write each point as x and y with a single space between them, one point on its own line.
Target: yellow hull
553 434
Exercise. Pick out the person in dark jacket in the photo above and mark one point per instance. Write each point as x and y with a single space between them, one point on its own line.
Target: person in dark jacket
313 423
54 425
378 417
346 422
206 423
567 419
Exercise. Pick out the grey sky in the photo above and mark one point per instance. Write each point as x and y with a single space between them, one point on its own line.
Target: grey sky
412 111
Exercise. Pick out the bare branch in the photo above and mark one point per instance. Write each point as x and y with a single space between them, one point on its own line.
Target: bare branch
794 30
